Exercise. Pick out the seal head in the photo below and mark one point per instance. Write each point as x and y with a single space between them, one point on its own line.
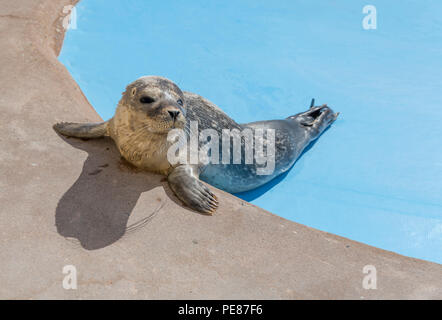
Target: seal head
155 103
149 108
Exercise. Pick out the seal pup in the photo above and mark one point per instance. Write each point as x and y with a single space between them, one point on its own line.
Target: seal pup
152 106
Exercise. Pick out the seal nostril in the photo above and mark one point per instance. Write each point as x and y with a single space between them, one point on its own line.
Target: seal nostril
173 114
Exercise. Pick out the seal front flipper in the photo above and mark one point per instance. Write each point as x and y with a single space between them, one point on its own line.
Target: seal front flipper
184 182
82 130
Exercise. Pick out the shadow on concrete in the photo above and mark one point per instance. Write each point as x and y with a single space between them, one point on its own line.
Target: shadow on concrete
96 208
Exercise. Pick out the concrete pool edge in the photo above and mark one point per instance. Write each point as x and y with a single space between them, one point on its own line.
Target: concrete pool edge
240 252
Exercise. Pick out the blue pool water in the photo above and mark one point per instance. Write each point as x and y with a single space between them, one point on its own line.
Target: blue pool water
376 175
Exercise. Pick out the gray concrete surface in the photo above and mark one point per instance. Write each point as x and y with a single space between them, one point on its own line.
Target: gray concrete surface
67 201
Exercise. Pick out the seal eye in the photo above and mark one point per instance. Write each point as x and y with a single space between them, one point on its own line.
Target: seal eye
147 99
180 102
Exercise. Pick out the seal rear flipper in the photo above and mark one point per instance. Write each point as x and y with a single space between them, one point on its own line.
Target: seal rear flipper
184 182
82 130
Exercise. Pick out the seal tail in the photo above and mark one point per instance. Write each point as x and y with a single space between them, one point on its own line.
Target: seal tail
82 130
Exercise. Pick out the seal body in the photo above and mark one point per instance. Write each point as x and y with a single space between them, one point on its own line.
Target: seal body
153 106
292 136
290 141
